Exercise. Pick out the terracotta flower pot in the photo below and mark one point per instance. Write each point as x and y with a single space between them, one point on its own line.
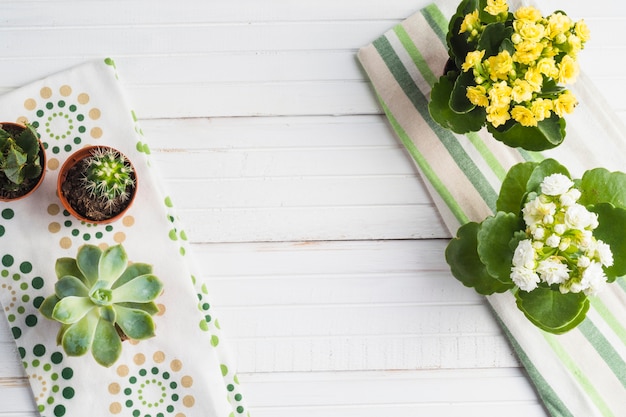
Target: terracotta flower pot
75 197
32 185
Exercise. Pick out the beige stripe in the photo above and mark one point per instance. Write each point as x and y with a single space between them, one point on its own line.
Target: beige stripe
434 52
506 155
422 136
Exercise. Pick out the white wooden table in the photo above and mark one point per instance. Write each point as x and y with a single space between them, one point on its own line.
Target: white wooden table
322 247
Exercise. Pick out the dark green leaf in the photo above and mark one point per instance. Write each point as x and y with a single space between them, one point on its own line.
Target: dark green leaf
47 307
458 42
459 103
552 311
494 249
610 230
465 265
513 190
601 186
492 37
440 111
548 134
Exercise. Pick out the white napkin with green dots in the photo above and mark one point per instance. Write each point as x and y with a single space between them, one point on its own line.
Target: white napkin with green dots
185 369
581 373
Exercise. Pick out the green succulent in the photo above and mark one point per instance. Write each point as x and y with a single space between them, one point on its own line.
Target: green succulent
19 157
100 300
109 176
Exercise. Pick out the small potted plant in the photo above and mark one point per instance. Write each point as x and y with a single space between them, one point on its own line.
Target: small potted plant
97 184
22 161
554 242
507 72
100 301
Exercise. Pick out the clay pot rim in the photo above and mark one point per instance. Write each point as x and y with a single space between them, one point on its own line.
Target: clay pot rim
43 159
71 161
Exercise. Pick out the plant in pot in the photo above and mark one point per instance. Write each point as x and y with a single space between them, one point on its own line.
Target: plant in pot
101 300
97 184
554 242
507 72
22 161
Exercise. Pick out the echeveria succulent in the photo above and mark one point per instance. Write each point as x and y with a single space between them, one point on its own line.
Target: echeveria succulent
100 300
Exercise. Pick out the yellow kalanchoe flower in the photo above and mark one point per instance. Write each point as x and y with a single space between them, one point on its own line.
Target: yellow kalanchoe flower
582 30
565 103
568 70
527 52
498 115
558 24
470 23
477 95
500 95
524 116
496 7
541 108
547 67
529 31
472 60
528 13
522 91
500 66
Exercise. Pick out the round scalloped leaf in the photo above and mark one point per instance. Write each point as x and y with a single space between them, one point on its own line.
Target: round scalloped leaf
602 186
440 111
465 265
458 42
548 134
494 244
552 311
513 190
459 103
492 37
610 230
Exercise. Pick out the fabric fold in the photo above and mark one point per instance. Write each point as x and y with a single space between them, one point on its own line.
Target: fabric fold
580 373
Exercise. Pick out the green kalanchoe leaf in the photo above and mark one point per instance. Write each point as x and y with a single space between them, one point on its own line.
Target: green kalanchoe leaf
458 42
610 230
71 309
514 187
142 289
112 263
440 111
466 266
136 324
494 244
602 186
459 103
132 271
88 259
78 337
107 346
70 286
492 37
549 133
552 311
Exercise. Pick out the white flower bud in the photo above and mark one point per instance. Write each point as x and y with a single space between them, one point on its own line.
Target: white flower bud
553 241
583 262
560 228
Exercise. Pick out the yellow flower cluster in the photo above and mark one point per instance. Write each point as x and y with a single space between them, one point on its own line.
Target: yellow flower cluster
510 85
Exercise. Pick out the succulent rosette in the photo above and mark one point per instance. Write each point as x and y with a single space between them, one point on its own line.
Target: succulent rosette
100 300
508 71
554 242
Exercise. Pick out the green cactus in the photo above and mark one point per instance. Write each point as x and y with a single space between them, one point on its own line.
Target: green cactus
109 176
101 300
19 156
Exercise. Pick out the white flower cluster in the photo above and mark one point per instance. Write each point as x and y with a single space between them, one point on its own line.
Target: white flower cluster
560 248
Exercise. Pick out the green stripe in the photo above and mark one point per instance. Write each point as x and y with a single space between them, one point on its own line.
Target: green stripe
577 373
436 20
613 322
550 398
426 169
487 155
530 156
447 138
604 349
416 56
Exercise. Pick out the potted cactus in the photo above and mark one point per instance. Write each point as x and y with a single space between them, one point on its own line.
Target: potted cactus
97 184
22 161
100 301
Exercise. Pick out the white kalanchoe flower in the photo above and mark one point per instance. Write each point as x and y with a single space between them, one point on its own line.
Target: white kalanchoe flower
560 228
535 211
603 251
524 255
556 184
553 271
578 217
570 197
583 262
593 279
526 279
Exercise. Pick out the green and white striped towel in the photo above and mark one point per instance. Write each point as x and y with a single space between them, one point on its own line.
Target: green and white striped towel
583 372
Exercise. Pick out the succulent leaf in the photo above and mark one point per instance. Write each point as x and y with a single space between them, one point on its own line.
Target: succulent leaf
70 286
88 260
68 266
142 289
71 309
132 271
136 324
78 337
47 306
112 263
107 346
